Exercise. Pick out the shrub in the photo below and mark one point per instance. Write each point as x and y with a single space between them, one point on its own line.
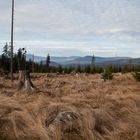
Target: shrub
2 137
136 75
107 74
87 69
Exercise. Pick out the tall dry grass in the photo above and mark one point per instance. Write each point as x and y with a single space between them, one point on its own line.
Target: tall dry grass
68 107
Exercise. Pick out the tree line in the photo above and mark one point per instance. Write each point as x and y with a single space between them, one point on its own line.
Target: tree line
20 63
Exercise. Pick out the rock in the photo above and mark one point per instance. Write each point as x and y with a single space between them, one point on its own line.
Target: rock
61 117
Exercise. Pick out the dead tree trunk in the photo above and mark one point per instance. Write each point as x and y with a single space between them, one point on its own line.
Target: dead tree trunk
28 85
24 82
21 79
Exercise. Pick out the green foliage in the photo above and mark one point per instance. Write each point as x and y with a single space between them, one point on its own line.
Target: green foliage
136 75
87 69
3 136
6 51
70 69
5 59
21 59
78 69
60 69
107 74
48 62
93 70
93 62
43 67
5 64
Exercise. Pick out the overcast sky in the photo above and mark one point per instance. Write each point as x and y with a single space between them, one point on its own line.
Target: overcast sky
73 27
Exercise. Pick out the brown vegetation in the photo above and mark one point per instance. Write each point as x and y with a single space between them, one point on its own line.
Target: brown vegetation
71 107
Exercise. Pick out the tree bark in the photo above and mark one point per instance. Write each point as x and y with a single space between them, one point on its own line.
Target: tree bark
24 81
21 79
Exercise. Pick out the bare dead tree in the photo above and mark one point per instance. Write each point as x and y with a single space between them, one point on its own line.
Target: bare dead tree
21 79
24 81
12 32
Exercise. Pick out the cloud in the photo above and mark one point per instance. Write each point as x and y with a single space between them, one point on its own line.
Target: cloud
102 22
75 17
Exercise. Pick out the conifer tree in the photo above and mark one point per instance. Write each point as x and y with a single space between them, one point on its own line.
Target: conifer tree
78 69
21 59
48 63
6 51
93 61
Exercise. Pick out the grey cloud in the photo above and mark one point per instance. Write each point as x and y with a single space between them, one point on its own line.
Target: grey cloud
80 20
77 17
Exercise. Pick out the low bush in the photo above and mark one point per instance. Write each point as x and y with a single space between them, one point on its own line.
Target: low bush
107 74
136 75
3 137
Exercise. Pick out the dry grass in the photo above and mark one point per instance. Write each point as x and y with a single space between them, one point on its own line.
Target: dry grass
72 107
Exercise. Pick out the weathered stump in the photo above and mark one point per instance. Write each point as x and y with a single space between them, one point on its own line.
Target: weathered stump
21 79
24 81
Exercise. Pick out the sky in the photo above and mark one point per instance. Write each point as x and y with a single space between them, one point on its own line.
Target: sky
73 27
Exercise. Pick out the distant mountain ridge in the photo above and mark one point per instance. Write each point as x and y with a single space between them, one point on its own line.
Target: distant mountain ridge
55 59
86 60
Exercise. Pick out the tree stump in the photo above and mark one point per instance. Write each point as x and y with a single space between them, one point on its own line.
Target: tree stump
21 79
24 81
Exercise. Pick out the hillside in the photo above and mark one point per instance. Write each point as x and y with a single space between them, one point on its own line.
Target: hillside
71 107
86 60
